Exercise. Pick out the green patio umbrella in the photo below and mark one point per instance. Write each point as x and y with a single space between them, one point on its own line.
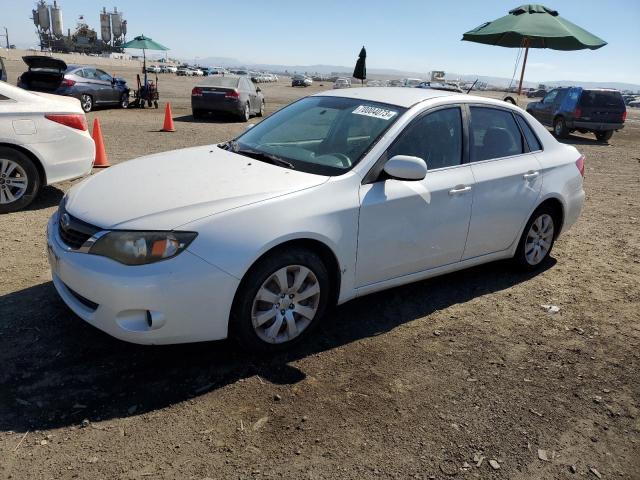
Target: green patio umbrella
360 72
533 26
144 43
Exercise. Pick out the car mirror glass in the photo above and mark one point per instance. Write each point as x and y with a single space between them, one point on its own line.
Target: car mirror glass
406 167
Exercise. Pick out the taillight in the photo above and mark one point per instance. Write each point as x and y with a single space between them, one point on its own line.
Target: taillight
196 92
232 94
577 112
624 116
67 82
580 165
77 121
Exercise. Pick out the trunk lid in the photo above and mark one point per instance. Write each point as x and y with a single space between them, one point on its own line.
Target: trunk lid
44 63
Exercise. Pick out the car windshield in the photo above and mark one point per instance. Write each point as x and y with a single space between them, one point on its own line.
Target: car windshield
322 135
227 82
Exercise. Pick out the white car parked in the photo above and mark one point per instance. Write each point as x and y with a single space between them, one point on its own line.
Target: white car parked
338 195
341 83
43 140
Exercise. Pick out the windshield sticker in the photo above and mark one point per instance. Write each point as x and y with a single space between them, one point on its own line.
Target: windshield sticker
375 112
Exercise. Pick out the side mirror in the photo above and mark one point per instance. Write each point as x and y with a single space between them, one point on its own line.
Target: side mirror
405 167
258 89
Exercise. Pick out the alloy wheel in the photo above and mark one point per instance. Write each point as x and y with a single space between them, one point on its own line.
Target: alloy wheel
285 304
86 102
539 239
13 181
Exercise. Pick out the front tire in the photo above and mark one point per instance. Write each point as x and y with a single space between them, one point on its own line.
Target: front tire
604 136
560 129
124 100
19 180
280 301
261 111
86 102
537 239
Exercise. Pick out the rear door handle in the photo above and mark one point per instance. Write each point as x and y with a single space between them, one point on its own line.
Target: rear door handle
530 174
459 189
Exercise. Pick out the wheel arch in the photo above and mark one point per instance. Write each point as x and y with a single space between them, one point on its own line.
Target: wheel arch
558 207
32 156
326 254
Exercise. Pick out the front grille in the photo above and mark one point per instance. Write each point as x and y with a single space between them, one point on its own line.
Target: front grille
74 232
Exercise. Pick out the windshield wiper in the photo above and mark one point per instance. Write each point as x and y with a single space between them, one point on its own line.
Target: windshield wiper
264 157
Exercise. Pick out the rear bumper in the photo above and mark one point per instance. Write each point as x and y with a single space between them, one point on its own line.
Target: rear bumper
595 126
217 103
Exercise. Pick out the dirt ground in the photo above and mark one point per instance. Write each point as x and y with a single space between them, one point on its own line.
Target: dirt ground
464 375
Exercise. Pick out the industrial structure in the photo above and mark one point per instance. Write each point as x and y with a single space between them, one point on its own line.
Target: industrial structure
50 28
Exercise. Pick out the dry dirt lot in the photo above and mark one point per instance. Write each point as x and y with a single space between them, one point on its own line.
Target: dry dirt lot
437 379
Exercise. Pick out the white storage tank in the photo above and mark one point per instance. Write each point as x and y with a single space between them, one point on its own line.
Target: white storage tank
56 20
43 17
116 23
105 26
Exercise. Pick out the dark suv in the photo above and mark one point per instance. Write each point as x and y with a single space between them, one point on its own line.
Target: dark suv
566 110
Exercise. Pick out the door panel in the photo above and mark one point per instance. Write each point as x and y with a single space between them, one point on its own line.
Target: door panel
505 192
411 226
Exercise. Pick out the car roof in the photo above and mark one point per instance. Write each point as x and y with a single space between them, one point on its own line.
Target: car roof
400 96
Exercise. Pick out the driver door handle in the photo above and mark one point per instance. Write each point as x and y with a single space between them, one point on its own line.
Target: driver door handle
459 189
530 174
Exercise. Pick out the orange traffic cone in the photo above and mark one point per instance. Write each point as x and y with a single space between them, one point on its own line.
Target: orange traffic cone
101 160
168 119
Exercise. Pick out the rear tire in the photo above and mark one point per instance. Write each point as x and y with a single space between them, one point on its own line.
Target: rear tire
19 178
560 129
604 136
537 240
261 111
246 114
86 102
258 320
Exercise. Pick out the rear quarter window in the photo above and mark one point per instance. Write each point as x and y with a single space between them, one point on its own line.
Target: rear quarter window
532 140
601 99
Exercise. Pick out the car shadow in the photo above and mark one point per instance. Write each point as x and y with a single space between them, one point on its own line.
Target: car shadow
49 196
218 118
576 140
58 370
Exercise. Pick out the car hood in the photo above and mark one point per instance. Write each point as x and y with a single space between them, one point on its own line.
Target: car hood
166 190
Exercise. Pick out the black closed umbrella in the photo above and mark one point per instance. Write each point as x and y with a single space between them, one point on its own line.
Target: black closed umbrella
360 72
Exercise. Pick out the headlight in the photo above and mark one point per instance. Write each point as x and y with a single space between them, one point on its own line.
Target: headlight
140 248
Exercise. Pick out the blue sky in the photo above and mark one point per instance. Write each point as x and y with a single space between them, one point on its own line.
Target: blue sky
411 35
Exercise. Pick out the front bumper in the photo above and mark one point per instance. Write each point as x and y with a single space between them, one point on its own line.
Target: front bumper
188 299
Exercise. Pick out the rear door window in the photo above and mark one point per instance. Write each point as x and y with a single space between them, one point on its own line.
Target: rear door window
493 134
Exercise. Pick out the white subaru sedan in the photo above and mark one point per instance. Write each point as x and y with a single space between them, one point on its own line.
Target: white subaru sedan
338 195
43 140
